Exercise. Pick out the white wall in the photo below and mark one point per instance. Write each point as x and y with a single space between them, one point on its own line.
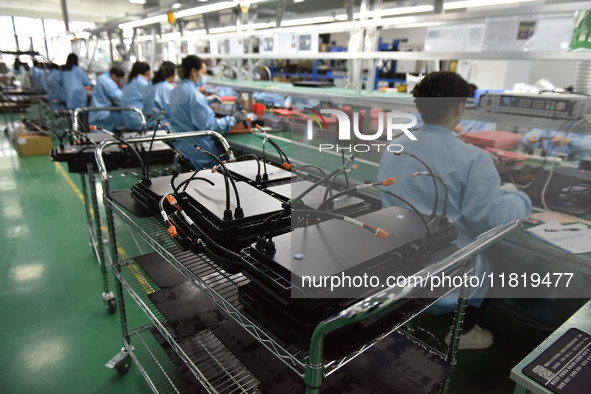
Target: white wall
560 72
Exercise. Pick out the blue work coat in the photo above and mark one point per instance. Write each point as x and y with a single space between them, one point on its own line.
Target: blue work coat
189 111
55 88
132 97
106 93
155 99
475 204
580 145
74 81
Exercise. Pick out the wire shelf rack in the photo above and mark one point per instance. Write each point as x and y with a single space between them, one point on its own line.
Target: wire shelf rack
153 363
222 288
213 366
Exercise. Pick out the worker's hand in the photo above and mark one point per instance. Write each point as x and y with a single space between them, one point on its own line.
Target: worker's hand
459 129
214 98
240 116
561 141
202 89
532 139
508 186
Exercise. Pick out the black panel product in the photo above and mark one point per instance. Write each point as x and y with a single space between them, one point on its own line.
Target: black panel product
205 203
546 105
115 156
346 204
333 247
186 308
248 170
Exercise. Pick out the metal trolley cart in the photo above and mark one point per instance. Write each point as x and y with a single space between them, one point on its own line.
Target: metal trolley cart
85 166
205 357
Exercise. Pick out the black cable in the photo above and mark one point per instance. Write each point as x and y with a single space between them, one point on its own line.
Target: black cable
152 142
434 213
145 179
318 182
444 187
334 196
272 232
238 212
311 166
258 177
343 163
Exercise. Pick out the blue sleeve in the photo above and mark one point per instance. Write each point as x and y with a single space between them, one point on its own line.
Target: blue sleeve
203 118
483 204
114 93
581 145
532 133
83 77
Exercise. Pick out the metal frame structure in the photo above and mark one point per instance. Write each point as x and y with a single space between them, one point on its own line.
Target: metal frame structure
91 207
214 367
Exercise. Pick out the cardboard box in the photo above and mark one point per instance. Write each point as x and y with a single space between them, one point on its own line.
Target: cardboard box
239 128
32 144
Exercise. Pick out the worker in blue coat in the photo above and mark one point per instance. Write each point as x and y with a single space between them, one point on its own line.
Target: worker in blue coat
477 202
552 142
74 80
156 95
107 93
189 111
132 94
55 88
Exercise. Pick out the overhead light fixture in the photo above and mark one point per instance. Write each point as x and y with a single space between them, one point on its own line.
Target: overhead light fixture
143 22
396 11
341 17
263 25
224 29
298 1
307 21
453 5
203 9
141 2
176 6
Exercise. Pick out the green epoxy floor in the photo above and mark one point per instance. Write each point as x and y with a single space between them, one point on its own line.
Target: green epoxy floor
55 335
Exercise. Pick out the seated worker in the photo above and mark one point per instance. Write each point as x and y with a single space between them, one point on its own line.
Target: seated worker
476 202
107 93
55 88
156 95
189 111
558 142
133 90
74 80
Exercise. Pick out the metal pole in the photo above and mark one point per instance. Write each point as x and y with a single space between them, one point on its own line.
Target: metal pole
438 6
15 36
65 14
45 39
111 46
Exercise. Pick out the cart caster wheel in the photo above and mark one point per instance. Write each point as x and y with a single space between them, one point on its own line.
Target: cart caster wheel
111 306
123 367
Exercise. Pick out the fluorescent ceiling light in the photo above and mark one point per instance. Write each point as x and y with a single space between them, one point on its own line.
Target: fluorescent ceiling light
143 22
225 29
298 1
306 21
406 10
176 6
341 17
399 11
263 25
200 32
202 9
479 3
137 1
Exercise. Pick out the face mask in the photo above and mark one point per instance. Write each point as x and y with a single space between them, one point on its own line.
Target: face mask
202 81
